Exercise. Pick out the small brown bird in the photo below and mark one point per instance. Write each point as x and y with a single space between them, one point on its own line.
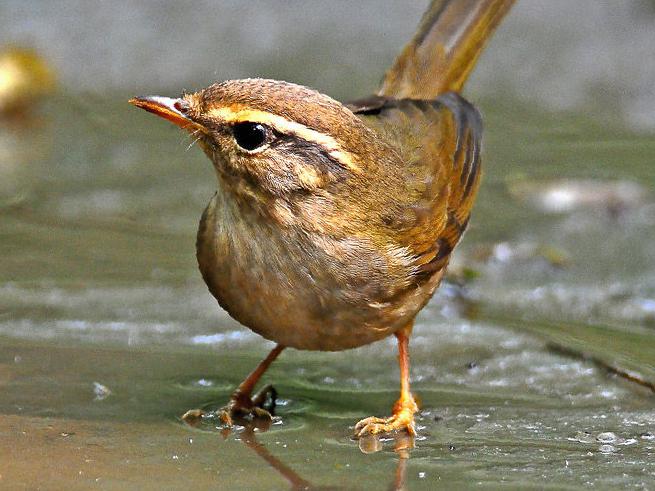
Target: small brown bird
333 224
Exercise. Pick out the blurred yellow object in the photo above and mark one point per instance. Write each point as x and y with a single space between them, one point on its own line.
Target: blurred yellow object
25 78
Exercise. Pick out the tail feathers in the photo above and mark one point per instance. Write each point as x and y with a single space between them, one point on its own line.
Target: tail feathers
444 50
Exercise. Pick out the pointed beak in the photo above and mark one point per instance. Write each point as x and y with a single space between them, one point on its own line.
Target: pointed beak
173 110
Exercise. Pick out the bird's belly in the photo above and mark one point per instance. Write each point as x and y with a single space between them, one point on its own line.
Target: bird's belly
290 292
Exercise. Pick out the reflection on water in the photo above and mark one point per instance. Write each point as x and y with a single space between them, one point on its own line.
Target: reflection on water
249 438
109 335
402 445
487 433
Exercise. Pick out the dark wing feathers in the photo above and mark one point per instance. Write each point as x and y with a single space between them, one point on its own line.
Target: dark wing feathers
439 141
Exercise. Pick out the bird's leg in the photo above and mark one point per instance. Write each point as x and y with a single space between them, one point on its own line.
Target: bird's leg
242 402
405 406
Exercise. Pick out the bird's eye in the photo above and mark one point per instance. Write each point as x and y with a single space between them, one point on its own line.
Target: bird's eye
250 136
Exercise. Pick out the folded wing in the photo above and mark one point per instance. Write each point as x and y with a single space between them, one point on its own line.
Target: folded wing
439 144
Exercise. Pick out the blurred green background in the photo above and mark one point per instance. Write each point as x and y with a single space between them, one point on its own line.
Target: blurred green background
108 333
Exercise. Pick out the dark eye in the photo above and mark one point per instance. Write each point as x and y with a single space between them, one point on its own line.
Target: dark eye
250 136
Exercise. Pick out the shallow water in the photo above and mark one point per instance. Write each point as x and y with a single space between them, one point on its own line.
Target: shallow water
99 290
522 361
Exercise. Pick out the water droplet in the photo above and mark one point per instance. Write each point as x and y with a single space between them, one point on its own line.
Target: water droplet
607 449
203 383
606 437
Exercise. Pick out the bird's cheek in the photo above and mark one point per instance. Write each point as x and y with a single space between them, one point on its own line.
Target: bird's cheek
307 176
210 149
284 174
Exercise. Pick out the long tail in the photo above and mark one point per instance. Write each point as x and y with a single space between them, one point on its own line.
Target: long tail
444 50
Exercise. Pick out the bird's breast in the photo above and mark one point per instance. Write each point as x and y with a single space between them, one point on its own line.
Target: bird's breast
298 289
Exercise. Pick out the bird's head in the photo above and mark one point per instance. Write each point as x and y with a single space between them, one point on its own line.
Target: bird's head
271 138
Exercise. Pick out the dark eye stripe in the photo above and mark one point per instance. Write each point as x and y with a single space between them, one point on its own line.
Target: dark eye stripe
313 154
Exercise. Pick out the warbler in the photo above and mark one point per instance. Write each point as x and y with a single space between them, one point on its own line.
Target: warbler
333 223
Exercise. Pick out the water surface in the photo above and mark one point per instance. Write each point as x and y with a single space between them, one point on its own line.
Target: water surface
521 361
99 289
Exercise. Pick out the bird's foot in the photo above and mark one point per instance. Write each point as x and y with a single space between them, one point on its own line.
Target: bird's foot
193 417
402 419
244 408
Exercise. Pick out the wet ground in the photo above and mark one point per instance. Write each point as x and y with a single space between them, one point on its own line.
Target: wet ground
108 333
534 363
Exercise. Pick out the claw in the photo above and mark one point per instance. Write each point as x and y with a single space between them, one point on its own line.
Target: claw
402 419
266 398
193 417
242 407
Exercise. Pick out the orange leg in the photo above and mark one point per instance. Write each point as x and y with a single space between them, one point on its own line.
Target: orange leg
247 386
242 403
405 406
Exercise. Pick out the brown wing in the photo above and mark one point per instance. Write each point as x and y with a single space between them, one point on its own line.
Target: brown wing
439 142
